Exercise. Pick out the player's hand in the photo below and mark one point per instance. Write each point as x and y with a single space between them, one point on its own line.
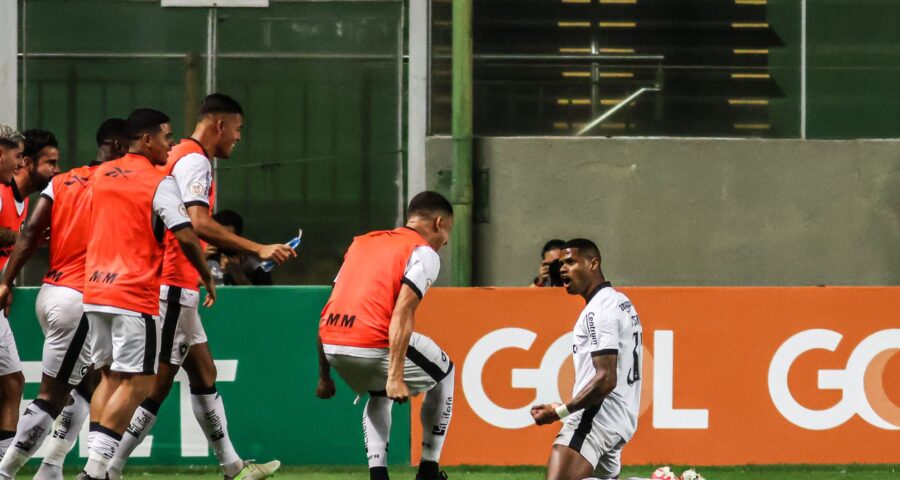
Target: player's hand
277 252
211 250
6 298
397 390
210 299
544 414
326 389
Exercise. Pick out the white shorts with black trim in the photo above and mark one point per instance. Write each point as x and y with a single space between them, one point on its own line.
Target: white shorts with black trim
181 324
128 343
583 433
67 350
9 353
365 369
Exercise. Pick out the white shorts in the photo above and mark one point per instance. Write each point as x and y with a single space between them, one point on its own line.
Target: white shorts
67 351
365 369
9 354
181 326
129 343
582 432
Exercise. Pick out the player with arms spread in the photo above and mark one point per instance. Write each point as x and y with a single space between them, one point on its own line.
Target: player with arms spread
366 331
133 204
65 208
607 341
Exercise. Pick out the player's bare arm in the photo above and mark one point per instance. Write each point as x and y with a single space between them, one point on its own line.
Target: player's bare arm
25 246
601 385
400 331
326 388
190 245
213 232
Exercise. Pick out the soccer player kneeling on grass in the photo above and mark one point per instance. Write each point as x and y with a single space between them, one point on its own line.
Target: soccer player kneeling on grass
607 338
366 331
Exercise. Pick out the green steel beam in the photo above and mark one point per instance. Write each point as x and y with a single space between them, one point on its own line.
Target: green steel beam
461 194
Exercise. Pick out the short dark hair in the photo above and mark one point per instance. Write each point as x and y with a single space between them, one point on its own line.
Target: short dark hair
10 137
219 103
554 244
36 140
112 129
585 247
429 203
145 120
230 218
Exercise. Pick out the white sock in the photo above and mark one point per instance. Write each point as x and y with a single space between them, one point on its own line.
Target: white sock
141 423
34 425
377 430
103 445
67 428
210 414
6 438
437 408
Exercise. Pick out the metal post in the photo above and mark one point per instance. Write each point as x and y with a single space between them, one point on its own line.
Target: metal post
212 44
9 69
461 184
419 51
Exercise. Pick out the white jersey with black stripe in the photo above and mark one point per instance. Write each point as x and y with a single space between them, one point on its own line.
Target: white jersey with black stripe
609 324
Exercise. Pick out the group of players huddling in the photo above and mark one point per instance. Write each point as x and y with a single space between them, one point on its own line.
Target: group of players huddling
120 302
120 299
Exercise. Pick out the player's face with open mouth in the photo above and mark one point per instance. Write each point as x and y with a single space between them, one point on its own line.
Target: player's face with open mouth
573 271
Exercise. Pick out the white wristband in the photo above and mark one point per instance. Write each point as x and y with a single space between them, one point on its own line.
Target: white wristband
562 411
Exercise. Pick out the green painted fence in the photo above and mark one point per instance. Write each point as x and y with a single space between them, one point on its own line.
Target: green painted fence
264 339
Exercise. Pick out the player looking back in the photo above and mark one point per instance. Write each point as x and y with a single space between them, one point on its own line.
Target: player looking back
133 204
65 208
607 340
184 342
366 331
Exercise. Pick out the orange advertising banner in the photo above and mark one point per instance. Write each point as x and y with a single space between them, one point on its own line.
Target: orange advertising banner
731 375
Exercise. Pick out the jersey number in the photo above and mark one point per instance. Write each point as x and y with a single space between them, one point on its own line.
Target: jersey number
634 374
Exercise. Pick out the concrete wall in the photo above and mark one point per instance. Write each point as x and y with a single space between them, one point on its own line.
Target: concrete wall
690 212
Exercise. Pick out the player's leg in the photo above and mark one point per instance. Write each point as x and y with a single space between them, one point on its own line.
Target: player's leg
429 369
12 384
208 408
171 356
567 464
67 428
64 358
135 341
368 376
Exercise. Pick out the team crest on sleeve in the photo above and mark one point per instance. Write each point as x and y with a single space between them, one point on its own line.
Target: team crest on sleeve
196 188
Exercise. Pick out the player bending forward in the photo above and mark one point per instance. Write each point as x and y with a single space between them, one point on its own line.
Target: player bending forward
607 339
366 331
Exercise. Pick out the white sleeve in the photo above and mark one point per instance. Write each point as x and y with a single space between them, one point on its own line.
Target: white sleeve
422 269
193 174
48 192
603 330
168 206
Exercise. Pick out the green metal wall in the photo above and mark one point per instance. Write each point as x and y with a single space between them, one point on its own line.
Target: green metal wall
319 83
271 403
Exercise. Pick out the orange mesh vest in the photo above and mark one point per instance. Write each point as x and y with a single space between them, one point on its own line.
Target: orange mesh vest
177 270
358 314
70 223
124 253
10 218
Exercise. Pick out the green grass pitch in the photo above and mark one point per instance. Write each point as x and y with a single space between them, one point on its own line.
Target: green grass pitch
773 472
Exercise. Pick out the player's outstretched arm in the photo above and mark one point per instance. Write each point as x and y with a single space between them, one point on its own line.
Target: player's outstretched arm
325 389
601 385
25 247
213 232
399 333
190 245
